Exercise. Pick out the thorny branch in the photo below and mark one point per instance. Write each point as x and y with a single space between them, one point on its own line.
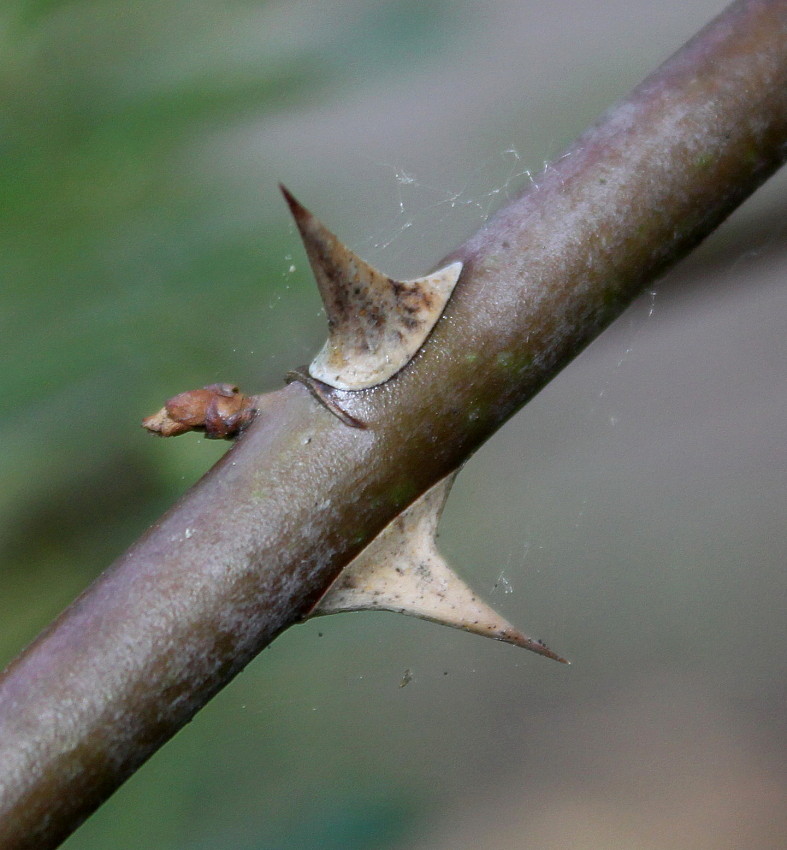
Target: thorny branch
253 546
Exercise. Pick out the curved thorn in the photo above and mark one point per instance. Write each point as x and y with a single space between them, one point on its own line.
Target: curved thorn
402 571
375 324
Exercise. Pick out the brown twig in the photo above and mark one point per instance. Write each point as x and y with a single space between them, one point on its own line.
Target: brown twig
248 551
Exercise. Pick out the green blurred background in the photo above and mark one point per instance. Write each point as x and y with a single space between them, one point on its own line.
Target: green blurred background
633 515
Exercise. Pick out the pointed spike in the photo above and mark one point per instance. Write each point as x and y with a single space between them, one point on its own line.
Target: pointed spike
402 571
375 324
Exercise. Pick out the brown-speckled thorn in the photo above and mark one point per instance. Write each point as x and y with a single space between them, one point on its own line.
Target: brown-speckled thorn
375 324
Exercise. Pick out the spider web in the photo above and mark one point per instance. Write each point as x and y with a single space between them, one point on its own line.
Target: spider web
424 206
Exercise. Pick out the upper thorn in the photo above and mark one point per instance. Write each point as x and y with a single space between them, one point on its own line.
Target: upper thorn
375 324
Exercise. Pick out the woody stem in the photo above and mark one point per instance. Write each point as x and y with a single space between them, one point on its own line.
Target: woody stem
249 550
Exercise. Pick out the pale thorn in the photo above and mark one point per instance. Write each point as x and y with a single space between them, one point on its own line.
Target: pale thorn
402 571
375 324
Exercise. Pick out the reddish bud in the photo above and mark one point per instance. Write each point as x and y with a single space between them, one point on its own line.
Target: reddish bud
220 410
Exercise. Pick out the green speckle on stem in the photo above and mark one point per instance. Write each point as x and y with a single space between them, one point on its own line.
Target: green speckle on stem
477 415
360 538
514 362
753 156
401 494
705 160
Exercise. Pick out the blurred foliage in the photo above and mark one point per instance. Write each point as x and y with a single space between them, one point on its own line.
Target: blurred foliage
112 250
109 244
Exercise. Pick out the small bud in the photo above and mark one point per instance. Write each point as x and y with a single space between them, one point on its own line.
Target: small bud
220 410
